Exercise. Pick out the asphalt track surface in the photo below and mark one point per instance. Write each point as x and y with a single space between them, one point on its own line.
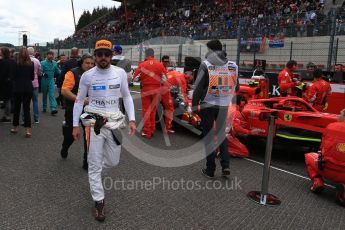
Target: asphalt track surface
39 190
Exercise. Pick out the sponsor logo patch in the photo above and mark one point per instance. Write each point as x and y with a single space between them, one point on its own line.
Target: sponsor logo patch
98 87
103 102
114 86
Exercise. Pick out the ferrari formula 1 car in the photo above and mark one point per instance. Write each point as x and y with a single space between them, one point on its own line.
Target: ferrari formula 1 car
287 110
256 111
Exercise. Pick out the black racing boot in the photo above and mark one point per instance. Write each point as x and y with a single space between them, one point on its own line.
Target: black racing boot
85 165
207 174
340 194
226 172
99 211
64 153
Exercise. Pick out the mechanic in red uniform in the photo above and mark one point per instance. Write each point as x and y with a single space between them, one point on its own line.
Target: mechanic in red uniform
239 127
286 80
330 163
151 76
180 80
316 93
166 99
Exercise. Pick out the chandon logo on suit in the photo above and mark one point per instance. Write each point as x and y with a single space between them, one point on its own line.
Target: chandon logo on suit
102 102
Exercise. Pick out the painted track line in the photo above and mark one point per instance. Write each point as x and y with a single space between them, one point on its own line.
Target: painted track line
285 171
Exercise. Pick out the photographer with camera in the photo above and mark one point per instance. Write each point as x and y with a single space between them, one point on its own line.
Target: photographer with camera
214 87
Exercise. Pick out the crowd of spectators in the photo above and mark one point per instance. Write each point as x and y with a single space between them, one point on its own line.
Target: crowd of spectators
340 22
203 19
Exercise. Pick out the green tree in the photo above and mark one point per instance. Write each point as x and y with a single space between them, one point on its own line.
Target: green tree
84 20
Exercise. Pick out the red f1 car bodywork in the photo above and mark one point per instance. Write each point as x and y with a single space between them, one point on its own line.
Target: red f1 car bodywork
287 109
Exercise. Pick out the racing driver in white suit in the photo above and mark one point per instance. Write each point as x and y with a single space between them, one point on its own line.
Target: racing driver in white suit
103 85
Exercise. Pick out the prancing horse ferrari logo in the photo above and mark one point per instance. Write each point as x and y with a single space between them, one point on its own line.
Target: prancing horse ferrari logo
341 147
287 117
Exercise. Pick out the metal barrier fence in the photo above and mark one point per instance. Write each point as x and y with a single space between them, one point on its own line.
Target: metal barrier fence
319 40
303 50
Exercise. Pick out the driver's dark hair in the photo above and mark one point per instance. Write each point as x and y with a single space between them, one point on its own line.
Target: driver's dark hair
311 64
237 100
165 57
5 52
83 58
291 63
317 73
149 52
215 45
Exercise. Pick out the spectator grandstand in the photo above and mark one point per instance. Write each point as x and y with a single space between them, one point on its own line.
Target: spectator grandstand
203 19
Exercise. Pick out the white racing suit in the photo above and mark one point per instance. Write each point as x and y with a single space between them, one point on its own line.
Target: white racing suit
103 87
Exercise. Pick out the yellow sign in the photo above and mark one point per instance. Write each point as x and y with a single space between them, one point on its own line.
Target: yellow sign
287 117
341 147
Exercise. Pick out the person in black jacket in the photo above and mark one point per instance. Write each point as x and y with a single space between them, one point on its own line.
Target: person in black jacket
62 59
215 85
7 68
69 90
71 63
22 90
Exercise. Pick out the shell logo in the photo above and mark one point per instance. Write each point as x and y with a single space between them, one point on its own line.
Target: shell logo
341 147
151 62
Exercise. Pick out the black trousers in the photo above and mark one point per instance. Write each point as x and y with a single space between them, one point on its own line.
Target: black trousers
19 99
211 114
67 130
60 100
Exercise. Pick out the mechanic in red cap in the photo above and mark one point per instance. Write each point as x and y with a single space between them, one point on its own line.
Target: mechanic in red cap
330 162
316 93
152 75
286 80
